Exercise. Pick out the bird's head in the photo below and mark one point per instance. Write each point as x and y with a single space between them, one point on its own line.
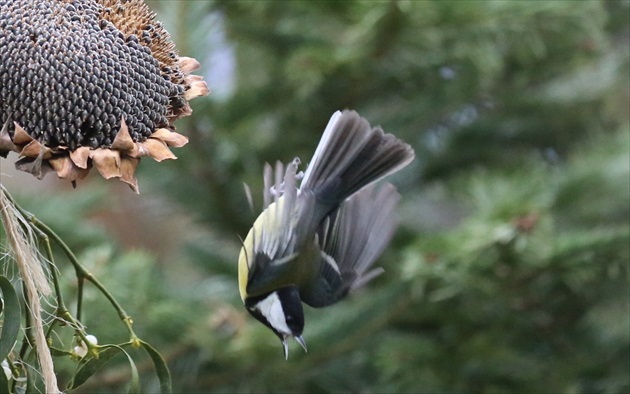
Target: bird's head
281 311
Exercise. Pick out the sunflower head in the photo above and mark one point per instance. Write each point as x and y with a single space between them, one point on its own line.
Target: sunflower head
90 83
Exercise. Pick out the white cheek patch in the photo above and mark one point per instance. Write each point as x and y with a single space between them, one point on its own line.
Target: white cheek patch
271 308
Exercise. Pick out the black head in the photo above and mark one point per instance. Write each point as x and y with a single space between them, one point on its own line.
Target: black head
282 312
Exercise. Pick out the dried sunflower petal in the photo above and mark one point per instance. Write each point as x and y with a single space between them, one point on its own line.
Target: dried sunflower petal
87 82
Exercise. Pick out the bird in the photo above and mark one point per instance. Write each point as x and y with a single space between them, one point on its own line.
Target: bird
316 243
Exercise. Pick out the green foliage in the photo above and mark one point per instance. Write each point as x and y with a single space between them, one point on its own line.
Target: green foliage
524 285
10 317
509 272
28 368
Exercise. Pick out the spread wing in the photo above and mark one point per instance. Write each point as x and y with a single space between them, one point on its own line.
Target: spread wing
351 240
277 234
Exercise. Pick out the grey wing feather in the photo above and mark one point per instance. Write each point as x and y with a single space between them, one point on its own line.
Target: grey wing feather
351 239
351 155
276 240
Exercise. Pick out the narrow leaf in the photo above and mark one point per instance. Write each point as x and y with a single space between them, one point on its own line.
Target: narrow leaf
89 365
31 384
4 382
161 368
134 387
12 318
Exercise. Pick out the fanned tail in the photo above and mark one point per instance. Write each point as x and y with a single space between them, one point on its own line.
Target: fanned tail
350 156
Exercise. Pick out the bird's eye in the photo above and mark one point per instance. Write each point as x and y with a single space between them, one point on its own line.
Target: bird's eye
289 318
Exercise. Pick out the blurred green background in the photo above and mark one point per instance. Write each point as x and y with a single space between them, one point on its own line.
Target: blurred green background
509 271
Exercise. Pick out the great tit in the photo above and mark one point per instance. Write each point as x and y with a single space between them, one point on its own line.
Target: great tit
316 243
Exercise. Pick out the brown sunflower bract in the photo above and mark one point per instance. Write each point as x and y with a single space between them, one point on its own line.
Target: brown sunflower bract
90 83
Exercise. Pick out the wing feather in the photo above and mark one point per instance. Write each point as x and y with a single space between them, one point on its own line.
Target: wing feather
353 237
279 231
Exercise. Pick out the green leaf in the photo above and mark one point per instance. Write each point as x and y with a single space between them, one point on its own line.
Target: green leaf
89 365
134 387
11 321
4 382
31 384
161 368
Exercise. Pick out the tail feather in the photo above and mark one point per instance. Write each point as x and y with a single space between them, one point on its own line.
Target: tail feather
351 155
